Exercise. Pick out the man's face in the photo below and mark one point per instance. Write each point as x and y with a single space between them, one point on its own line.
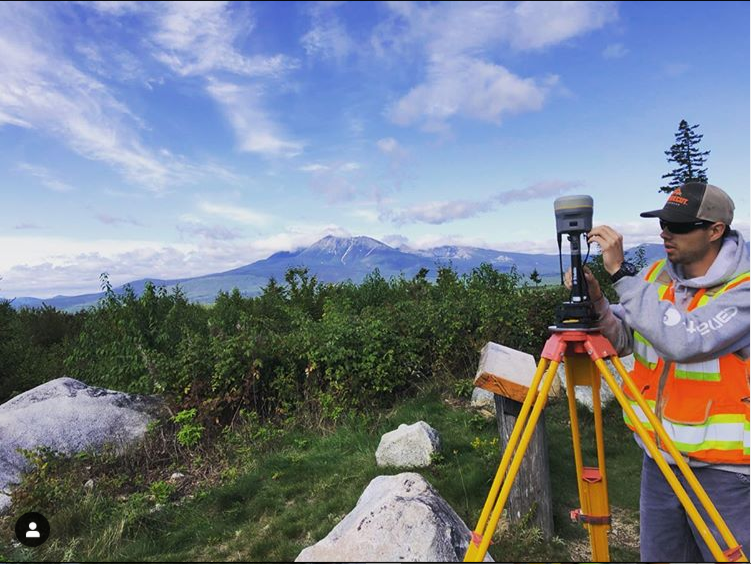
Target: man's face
692 247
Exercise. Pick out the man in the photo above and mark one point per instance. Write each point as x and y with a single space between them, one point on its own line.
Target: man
686 319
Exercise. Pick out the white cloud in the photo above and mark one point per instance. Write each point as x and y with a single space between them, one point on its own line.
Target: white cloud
315 167
389 146
365 214
47 266
439 212
327 38
114 7
540 24
210 232
615 51
45 177
235 213
471 88
254 130
460 80
545 189
198 37
109 219
44 91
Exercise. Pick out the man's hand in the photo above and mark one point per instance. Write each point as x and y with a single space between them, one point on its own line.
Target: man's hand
595 292
611 245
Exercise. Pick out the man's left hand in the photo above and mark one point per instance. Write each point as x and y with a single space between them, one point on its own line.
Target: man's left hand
611 245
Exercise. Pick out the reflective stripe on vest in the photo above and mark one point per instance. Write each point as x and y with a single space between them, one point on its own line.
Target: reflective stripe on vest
643 351
711 431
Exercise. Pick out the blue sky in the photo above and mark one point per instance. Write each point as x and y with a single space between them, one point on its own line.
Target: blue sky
178 139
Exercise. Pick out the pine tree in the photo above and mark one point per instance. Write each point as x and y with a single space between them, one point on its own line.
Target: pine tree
685 152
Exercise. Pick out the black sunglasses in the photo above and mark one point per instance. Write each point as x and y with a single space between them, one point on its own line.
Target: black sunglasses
683 228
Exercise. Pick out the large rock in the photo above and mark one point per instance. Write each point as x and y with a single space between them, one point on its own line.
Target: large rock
584 393
409 446
67 416
397 518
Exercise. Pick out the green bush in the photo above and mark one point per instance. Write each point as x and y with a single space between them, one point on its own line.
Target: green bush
302 348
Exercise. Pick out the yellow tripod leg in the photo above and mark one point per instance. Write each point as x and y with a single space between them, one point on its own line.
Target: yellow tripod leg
685 500
512 455
591 482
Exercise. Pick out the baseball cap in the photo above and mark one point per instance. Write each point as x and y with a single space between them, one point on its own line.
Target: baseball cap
696 201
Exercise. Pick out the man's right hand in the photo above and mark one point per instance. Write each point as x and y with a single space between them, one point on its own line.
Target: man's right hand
595 292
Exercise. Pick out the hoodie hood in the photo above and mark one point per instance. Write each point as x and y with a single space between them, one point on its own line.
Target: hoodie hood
732 260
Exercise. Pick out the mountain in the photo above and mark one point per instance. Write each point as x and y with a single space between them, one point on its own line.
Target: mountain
336 259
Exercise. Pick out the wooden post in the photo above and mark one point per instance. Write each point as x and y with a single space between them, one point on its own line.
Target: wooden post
531 490
508 373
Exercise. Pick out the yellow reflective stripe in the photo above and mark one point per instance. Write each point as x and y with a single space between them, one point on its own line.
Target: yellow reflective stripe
654 271
703 300
643 351
708 370
640 414
662 290
740 278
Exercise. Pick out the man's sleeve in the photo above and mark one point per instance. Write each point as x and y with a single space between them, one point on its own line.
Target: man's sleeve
715 329
612 326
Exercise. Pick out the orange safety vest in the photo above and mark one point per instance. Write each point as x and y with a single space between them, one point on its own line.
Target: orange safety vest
702 405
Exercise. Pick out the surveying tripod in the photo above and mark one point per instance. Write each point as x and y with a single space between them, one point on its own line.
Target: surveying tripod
584 351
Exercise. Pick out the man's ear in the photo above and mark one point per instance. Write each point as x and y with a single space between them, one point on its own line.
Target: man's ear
716 230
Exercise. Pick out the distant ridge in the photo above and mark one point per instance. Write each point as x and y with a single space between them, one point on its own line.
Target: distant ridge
334 259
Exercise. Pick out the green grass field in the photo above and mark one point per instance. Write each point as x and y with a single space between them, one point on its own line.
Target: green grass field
279 491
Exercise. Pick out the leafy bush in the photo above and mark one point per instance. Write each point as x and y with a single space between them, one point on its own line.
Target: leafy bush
302 348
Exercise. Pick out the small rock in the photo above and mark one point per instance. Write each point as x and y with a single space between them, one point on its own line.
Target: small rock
408 446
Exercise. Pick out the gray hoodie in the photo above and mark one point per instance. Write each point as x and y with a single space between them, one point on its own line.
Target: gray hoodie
718 328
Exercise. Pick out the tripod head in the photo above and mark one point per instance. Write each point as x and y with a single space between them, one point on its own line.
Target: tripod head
573 217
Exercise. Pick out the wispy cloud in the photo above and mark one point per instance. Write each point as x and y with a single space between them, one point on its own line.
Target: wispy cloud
22 226
390 146
254 130
47 178
674 70
615 51
235 213
536 25
108 219
43 90
327 37
460 80
198 39
314 167
337 182
210 232
438 212
540 190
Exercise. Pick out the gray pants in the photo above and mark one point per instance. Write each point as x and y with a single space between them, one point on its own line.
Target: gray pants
667 534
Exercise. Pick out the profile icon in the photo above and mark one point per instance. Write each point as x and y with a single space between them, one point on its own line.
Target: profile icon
32 533
32 529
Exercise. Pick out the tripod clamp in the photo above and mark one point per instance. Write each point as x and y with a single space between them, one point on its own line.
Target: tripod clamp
578 517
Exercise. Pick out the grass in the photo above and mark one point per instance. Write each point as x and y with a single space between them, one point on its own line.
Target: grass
289 492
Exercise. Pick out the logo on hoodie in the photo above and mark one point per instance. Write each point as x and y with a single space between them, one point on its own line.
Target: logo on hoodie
672 317
714 323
